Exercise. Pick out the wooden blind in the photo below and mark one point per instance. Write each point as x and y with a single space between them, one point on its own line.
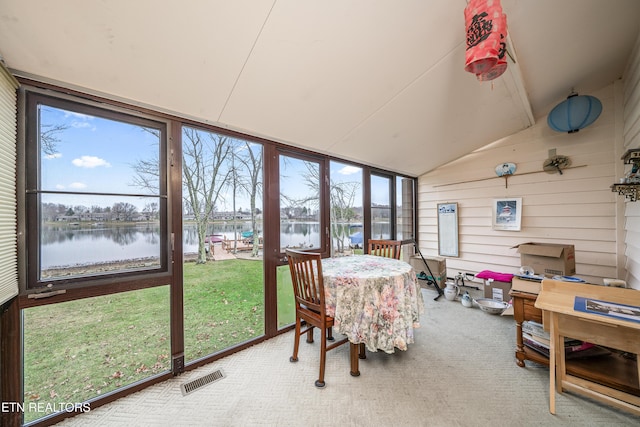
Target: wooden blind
8 224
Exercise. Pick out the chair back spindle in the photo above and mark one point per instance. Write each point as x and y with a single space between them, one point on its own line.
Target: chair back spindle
385 248
306 275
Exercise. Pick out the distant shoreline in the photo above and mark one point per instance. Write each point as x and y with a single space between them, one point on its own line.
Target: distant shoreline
86 269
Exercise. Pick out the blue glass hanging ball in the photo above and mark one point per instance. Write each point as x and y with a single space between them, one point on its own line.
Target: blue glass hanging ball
574 113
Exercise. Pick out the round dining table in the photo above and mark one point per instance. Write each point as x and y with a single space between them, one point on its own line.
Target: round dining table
375 301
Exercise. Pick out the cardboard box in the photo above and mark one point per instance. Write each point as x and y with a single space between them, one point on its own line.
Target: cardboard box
548 259
496 285
438 266
497 290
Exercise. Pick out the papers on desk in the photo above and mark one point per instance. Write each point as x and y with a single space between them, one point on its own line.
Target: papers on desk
532 277
606 308
573 279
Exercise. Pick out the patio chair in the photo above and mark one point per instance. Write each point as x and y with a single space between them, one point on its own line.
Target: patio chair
385 248
308 289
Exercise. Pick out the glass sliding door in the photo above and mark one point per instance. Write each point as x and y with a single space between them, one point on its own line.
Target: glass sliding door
299 204
382 209
301 224
347 231
223 278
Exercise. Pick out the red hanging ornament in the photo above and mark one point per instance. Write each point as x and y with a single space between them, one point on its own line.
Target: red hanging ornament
486 27
501 65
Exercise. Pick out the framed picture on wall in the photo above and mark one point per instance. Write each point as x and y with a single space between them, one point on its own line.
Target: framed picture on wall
448 229
507 214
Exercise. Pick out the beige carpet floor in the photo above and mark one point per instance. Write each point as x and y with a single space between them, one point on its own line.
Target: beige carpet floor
460 372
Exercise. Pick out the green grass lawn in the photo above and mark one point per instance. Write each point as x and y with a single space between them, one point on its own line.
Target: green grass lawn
223 305
78 350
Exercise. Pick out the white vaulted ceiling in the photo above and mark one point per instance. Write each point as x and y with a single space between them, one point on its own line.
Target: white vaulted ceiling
378 82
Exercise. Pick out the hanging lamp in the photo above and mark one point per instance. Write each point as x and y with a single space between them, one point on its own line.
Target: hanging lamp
486 27
574 113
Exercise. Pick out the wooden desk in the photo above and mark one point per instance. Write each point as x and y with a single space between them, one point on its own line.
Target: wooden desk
556 300
614 371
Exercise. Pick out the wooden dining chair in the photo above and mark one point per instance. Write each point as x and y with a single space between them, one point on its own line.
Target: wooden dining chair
385 248
308 290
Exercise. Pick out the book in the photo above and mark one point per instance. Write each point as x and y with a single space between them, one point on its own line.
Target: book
578 347
535 346
537 331
534 328
571 347
538 340
590 350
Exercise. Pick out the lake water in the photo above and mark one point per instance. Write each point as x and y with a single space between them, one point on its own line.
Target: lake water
67 245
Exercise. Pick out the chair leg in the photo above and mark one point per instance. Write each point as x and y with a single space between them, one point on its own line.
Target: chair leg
323 358
296 342
330 334
310 335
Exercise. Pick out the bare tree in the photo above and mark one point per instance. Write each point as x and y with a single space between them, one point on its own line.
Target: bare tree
204 156
124 211
147 174
204 175
49 138
150 210
147 171
342 200
343 196
312 180
250 157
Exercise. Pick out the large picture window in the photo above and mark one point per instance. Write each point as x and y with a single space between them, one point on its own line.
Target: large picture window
96 194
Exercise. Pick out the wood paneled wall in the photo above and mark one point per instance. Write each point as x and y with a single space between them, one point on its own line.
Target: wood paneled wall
577 207
631 135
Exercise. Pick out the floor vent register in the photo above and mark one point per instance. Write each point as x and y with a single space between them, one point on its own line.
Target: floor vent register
198 383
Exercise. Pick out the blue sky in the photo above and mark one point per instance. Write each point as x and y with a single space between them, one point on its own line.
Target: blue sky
96 155
93 154
340 172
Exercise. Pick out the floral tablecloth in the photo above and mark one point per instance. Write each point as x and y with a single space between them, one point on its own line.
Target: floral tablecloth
374 300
